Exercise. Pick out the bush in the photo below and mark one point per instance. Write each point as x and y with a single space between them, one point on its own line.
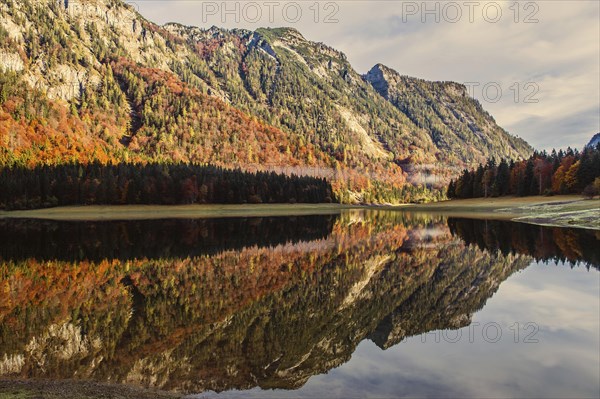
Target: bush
255 199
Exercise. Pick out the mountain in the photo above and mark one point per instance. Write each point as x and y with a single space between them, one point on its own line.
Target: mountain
458 125
94 80
594 141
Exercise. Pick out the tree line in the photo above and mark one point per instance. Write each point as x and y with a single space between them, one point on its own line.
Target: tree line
562 172
152 183
545 244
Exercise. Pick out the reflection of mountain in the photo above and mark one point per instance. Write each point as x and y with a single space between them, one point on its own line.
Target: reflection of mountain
458 286
258 316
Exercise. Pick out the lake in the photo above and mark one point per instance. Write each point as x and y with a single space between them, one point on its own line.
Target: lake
362 304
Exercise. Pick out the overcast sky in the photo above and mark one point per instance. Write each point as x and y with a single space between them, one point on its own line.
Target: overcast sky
535 66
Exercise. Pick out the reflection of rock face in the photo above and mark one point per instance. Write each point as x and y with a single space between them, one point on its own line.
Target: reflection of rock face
460 285
259 316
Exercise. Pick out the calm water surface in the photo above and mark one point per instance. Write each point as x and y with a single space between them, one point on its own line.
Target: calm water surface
364 304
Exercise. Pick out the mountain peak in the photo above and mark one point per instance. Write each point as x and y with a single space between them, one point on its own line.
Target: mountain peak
381 68
447 112
282 33
378 79
594 141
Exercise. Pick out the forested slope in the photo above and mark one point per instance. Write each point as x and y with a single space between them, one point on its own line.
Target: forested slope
95 81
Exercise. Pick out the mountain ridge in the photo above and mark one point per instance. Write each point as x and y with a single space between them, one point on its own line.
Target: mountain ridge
448 126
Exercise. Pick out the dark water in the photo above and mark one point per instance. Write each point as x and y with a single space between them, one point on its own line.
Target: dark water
362 304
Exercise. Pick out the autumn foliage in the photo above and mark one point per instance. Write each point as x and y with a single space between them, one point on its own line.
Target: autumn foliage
563 172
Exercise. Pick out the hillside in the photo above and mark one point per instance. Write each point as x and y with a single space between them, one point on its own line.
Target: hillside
457 124
97 81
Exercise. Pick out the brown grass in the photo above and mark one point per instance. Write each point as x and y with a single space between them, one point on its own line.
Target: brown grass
136 212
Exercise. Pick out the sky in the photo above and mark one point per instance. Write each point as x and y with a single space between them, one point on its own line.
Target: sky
534 65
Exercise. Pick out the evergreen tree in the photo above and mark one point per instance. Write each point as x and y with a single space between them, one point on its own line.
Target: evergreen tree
501 182
478 182
526 184
586 172
451 192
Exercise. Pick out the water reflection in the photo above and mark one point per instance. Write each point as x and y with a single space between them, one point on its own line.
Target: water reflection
172 238
573 246
243 303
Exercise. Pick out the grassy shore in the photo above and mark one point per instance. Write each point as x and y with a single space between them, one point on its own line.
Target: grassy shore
563 211
560 211
138 212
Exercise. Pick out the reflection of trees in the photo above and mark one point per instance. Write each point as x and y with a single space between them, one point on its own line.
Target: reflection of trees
257 316
52 240
556 244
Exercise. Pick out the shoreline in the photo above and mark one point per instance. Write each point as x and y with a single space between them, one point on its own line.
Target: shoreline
559 211
196 211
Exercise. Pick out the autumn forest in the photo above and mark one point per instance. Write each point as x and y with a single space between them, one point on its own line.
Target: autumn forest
562 172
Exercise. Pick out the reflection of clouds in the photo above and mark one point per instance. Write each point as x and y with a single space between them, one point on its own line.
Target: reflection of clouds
565 362
571 313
